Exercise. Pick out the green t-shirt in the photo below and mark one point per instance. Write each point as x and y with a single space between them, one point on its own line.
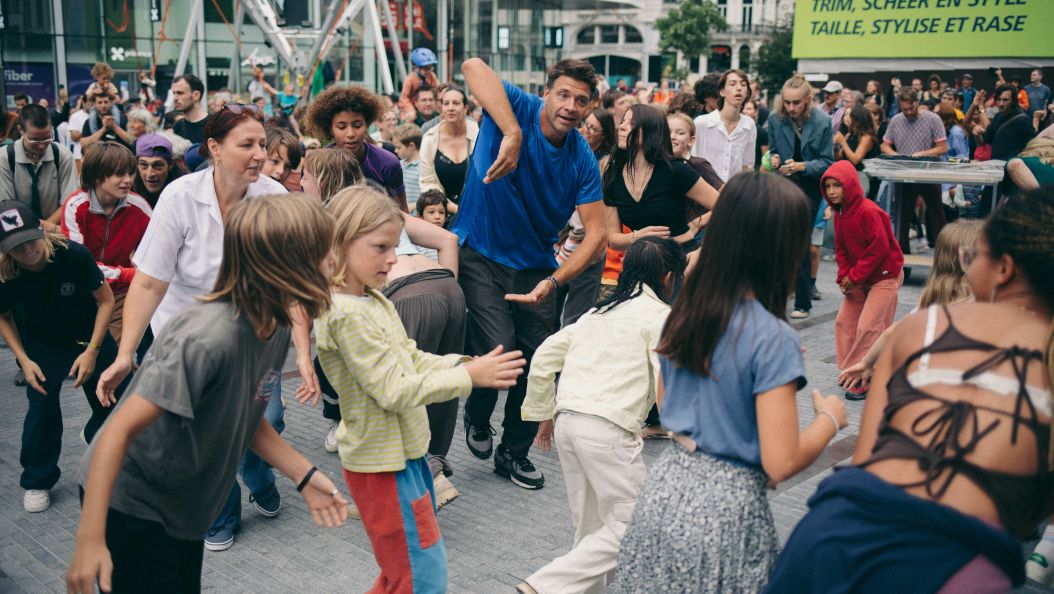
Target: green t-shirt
213 377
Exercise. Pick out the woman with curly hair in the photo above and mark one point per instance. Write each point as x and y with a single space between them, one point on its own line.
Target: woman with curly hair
343 114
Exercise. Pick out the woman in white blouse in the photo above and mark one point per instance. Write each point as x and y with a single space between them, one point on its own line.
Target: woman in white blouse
179 259
446 148
724 137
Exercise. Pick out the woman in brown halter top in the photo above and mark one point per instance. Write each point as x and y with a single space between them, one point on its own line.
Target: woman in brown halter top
953 459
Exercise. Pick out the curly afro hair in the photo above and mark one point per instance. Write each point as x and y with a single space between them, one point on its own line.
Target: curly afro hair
338 98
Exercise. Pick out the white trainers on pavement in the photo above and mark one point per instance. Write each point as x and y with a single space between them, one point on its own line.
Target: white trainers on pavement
36 500
331 438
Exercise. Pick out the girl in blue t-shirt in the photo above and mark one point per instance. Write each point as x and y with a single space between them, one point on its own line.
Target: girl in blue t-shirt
63 305
731 366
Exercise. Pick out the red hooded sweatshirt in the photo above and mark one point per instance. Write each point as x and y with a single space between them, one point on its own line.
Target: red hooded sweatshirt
864 245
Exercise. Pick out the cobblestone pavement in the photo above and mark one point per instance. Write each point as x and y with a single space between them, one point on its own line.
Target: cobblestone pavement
496 533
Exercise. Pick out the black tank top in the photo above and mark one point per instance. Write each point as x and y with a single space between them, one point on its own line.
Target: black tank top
941 438
451 175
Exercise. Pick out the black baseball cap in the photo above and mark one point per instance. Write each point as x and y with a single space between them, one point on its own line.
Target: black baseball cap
18 225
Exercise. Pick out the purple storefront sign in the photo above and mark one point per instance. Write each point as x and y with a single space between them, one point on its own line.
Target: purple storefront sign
79 78
35 80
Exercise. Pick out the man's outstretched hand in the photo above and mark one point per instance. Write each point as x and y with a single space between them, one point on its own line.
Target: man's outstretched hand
540 292
508 156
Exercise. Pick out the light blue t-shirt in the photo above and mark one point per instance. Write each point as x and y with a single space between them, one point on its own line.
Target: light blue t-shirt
757 353
515 220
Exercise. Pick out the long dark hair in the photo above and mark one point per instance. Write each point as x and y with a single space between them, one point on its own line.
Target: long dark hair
650 136
753 246
647 262
860 122
607 129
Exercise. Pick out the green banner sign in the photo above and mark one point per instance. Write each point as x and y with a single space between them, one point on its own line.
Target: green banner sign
924 29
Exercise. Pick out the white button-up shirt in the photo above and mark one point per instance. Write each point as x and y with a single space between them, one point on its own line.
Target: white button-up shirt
728 153
183 244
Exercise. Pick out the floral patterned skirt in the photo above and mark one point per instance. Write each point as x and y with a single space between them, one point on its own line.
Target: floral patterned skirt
701 524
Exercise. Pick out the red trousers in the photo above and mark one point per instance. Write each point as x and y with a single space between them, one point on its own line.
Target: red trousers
865 314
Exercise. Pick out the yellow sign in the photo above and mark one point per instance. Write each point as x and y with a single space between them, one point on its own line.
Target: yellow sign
924 29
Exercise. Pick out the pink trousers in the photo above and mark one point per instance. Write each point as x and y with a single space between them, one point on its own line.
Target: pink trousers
865 314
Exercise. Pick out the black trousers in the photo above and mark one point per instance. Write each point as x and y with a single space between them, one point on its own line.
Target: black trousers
146 559
580 294
906 195
803 281
492 321
42 428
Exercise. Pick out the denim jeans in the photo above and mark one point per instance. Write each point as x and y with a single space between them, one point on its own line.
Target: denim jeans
42 429
255 472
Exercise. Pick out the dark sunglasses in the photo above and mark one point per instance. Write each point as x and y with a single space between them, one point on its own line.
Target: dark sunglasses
239 108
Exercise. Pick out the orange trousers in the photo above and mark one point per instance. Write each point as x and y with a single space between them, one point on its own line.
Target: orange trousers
865 314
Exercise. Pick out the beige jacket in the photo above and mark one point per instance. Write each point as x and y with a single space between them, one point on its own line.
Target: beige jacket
429 148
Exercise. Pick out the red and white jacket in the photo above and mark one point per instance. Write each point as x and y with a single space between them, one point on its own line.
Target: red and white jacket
111 239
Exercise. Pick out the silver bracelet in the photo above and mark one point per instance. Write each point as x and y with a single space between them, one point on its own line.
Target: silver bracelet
834 420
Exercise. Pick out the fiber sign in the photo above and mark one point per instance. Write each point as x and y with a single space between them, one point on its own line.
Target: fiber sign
924 29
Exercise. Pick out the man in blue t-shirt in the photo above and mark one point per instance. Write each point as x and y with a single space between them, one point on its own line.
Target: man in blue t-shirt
530 170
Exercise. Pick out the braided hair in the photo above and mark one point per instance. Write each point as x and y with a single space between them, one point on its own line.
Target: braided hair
1023 228
647 262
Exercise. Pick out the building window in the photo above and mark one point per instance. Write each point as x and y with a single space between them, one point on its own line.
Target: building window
632 35
587 36
748 15
744 58
609 33
722 7
720 58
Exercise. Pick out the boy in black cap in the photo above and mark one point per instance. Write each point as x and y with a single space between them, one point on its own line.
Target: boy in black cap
67 306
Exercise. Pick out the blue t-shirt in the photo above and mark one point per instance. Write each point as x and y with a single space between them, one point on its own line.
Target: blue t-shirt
757 353
515 220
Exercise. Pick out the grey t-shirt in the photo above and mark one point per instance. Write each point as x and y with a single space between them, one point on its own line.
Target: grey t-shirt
213 377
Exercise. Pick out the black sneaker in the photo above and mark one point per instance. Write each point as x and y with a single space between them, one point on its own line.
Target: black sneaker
816 294
479 439
268 503
518 469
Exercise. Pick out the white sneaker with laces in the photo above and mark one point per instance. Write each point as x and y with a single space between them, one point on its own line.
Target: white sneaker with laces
36 500
799 314
331 438
1040 566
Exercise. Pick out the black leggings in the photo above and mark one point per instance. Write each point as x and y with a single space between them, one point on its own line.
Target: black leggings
432 309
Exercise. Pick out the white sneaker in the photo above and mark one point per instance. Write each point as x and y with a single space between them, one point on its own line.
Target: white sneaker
1039 568
36 500
331 438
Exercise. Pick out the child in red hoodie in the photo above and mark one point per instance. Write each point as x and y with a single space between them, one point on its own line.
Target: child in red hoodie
870 266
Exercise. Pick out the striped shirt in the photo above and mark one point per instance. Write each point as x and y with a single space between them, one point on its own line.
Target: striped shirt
411 181
383 382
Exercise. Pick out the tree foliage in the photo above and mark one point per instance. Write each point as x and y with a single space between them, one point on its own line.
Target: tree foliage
774 64
687 28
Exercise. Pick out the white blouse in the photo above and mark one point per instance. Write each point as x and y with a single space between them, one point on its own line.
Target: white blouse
183 244
728 153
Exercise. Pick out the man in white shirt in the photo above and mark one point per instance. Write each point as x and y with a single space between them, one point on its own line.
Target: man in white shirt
723 137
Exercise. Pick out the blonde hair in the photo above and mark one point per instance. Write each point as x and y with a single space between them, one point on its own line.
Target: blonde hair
1041 147
358 211
947 281
333 169
9 267
795 82
273 248
683 118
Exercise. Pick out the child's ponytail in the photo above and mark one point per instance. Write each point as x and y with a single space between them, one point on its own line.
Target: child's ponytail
647 262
